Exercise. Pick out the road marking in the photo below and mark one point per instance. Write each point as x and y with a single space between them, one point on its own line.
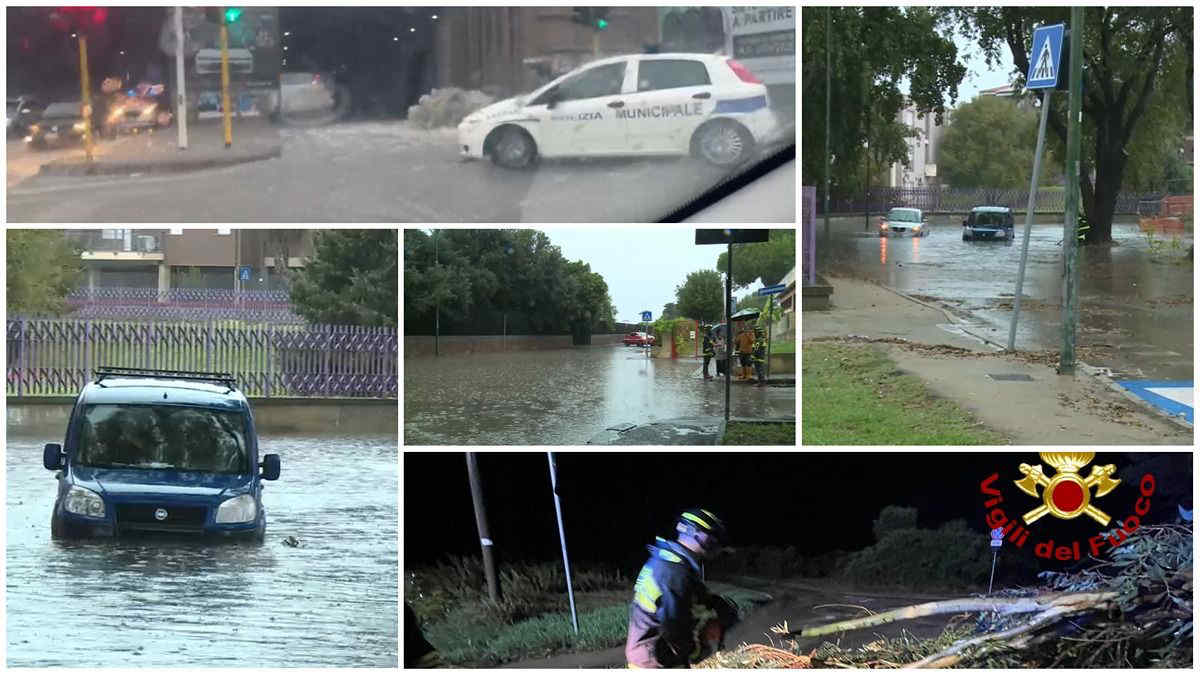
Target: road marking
1175 397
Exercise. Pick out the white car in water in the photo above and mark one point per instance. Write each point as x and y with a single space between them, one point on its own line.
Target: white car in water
642 104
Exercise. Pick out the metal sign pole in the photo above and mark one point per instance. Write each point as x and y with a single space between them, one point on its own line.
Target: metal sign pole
1033 182
728 326
562 537
993 576
481 523
1070 302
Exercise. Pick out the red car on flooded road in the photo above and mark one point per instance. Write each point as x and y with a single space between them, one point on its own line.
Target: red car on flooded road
639 339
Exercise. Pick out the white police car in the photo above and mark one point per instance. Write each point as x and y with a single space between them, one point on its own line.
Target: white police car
643 104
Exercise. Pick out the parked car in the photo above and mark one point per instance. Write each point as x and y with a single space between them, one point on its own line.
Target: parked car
988 222
642 104
159 451
143 107
639 339
901 221
60 124
19 113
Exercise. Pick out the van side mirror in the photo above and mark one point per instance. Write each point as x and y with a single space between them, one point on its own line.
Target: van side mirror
270 467
52 456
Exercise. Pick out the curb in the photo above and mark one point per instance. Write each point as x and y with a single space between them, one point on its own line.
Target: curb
1090 370
180 165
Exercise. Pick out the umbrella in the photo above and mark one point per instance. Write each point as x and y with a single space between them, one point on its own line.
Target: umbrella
745 314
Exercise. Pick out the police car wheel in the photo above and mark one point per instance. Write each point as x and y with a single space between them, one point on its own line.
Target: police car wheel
513 148
724 144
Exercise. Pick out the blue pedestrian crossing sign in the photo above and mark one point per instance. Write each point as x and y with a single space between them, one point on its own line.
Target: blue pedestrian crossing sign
1046 57
645 316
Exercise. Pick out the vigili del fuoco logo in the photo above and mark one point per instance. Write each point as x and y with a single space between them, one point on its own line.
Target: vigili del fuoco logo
1066 495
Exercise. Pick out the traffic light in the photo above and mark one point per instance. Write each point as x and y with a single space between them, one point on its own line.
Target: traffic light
78 18
228 15
595 18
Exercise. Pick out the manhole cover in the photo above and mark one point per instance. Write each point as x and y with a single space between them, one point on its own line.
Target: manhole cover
1010 377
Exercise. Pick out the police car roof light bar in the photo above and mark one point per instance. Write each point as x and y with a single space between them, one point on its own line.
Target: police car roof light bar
226 379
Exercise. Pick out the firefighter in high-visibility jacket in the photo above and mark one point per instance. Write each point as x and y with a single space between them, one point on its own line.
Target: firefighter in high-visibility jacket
760 357
668 589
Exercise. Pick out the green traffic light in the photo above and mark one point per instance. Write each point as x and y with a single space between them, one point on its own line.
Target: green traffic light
232 14
601 24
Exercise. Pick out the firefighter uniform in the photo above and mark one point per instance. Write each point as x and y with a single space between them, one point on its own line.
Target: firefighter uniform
661 620
760 355
709 350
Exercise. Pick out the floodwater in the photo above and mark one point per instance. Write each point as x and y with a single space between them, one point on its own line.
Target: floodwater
1135 305
564 396
150 602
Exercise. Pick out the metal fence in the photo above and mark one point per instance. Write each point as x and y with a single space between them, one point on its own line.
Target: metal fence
962 200
58 356
808 265
182 304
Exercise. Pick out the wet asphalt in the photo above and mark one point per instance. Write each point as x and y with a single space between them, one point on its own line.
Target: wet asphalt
564 396
331 601
1135 296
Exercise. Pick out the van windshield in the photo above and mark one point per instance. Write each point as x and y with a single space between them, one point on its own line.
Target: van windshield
163 437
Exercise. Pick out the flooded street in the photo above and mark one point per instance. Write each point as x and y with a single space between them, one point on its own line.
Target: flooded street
331 601
1135 302
564 396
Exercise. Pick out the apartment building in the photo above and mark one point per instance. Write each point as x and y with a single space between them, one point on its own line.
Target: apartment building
223 258
921 169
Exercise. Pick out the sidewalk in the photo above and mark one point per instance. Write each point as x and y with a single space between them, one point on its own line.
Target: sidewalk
1018 395
158 151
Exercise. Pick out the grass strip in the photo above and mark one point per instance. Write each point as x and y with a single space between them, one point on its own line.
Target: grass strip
759 433
854 395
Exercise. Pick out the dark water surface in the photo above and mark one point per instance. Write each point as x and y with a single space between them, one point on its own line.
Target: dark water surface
152 602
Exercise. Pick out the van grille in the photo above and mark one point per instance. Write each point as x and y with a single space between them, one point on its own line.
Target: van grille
141 517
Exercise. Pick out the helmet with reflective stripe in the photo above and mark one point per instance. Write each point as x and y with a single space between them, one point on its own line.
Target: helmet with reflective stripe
701 522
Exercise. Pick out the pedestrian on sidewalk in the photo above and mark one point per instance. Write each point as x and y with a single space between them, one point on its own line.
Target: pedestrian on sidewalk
719 345
709 350
670 585
745 348
760 356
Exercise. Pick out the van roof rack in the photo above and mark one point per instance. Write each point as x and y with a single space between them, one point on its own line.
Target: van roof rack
226 379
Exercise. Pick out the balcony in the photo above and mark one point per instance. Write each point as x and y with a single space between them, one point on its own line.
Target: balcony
119 244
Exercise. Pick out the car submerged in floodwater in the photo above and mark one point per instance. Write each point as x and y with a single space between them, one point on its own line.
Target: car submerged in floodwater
902 221
154 451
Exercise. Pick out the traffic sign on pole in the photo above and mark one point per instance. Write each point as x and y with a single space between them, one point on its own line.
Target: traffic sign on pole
1045 57
645 316
771 290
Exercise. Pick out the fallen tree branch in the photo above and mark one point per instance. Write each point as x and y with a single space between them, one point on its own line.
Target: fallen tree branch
1071 601
953 654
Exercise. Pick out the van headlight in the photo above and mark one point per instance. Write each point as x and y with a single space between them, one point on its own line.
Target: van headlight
240 509
84 502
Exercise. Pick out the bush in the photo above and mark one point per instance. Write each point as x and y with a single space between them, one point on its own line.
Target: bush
446 107
893 518
949 557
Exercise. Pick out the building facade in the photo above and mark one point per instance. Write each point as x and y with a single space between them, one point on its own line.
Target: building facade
223 258
921 169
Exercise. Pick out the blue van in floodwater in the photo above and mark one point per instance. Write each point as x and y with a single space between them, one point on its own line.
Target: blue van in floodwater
159 451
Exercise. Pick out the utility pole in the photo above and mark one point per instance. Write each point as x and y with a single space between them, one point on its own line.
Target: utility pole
225 106
828 95
437 304
86 86
1070 303
485 538
181 94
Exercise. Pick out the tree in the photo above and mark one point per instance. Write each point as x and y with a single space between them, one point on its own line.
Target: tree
350 279
43 267
989 143
1137 71
669 311
874 50
701 296
770 260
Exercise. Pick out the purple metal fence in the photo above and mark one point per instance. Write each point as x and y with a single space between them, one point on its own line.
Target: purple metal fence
808 264
181 304
58 356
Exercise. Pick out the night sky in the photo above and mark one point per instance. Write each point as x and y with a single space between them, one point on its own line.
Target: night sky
615 503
